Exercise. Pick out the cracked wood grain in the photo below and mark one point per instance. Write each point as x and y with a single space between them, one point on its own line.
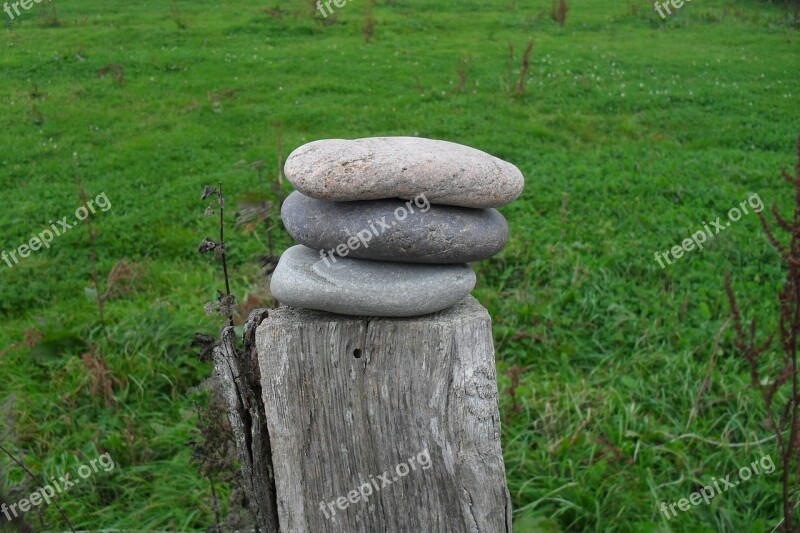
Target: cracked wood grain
239 377
348 399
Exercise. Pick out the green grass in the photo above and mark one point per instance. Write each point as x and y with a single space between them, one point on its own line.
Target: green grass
631 133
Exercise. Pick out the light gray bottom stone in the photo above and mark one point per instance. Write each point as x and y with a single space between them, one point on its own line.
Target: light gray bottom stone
367 288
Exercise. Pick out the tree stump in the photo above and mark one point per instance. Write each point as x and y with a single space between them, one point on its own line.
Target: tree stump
379 424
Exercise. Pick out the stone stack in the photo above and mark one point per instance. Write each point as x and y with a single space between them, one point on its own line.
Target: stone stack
386 225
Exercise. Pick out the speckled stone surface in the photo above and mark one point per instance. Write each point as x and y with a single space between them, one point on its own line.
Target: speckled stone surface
402 167
367 288
395 230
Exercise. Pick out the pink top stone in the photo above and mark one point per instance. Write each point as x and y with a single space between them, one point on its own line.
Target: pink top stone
403 167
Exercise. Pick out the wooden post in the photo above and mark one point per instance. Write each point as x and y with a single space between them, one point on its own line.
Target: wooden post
379 424
239 379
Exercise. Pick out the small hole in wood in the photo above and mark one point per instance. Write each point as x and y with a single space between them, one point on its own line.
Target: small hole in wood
357 353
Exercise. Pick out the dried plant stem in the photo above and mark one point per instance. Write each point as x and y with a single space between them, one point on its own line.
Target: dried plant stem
41 486
93 261
216 500
525 68
224 254
279 127
788 333
707 380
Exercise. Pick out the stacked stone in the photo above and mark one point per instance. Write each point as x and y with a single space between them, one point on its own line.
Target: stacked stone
387 225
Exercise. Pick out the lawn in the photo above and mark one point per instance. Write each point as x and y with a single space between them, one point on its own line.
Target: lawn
631 131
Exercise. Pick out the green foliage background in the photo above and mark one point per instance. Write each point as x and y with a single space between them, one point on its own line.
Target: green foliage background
632 131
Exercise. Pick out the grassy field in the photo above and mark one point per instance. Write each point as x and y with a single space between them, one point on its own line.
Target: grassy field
631 132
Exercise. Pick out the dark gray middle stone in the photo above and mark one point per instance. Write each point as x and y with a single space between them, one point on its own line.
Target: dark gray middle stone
412 231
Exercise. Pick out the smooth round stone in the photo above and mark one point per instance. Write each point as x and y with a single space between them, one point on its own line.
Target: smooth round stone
367 288
394 230
402 167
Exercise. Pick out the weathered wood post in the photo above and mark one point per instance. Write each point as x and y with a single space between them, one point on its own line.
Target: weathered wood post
382 417
384 424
